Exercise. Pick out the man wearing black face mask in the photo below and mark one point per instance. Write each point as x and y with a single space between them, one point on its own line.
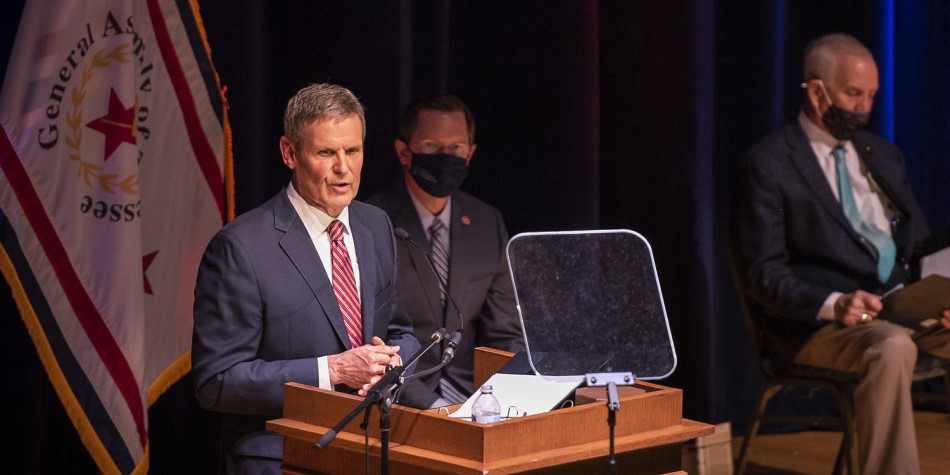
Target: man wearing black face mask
828 223
465 239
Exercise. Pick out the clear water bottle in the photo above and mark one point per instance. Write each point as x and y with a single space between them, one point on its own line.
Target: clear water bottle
486 409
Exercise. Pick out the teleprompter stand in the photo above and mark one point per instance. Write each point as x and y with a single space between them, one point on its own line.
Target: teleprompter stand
611 381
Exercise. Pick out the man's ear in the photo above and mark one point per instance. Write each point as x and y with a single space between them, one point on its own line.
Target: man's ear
288 153
815 94
403 152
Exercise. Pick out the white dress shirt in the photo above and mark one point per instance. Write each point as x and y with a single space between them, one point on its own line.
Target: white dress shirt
316 222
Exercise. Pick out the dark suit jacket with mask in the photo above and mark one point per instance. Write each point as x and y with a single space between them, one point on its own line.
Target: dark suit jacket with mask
479 282
796 242
265 310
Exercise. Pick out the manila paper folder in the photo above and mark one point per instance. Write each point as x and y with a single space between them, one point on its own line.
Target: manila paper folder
920 304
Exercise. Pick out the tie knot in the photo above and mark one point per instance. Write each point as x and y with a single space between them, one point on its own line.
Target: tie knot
437 226
838 152
335 230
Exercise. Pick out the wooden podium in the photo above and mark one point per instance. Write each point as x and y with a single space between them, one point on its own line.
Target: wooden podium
648 434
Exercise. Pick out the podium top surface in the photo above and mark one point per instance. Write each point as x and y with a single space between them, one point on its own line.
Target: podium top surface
591 301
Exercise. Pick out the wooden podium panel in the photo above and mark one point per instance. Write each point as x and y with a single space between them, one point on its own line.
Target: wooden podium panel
648 433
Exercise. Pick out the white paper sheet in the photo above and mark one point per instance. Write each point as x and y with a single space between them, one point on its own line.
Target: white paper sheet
526 394
936 263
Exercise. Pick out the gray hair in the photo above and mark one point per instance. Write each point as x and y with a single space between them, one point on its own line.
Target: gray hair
821 55
319 102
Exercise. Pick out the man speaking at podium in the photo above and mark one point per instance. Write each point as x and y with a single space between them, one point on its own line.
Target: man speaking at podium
465 240
300 289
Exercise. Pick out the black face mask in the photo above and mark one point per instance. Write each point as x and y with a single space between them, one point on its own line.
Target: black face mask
438 174
843 124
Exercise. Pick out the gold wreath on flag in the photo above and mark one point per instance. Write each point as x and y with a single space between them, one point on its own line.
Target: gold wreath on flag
109 182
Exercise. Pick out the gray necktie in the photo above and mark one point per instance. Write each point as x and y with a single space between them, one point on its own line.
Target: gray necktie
438 245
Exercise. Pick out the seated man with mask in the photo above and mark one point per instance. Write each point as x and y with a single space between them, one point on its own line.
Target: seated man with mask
463 237
828 224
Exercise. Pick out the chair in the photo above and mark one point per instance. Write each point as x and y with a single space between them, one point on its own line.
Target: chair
927 367
775 378
839 383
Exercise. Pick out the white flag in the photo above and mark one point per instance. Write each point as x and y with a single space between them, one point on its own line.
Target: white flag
113 163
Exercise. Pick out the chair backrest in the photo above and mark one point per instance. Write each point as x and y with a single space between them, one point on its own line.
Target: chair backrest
751 315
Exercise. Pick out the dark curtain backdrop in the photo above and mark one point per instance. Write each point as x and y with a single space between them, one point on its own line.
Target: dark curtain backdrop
591 115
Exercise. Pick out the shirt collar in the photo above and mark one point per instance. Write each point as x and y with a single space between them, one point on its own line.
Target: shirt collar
314 219
427 217
816 135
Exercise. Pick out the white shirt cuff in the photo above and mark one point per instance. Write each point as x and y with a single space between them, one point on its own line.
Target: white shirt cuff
827 311
323 373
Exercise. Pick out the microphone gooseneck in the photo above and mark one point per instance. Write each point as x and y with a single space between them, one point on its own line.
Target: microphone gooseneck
452 342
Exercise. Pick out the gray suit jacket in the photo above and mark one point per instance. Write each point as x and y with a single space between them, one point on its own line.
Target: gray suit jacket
479 282
797 244
265 310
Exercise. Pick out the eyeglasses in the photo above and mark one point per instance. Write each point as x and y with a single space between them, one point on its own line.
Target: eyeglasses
459 149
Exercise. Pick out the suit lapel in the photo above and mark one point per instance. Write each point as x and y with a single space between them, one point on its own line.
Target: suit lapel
405 217
807 163
881 174
299 248
363 239
463 235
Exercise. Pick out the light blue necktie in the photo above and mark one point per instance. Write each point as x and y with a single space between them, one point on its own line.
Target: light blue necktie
886 251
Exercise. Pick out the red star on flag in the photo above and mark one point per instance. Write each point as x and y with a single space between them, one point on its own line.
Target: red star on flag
117 125
146 262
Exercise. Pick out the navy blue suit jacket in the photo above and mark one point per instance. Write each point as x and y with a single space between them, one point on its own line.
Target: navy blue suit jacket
265 310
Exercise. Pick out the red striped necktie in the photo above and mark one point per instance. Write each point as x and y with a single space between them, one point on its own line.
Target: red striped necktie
344 284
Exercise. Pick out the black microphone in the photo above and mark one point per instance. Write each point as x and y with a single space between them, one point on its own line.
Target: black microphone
453 341
451 345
